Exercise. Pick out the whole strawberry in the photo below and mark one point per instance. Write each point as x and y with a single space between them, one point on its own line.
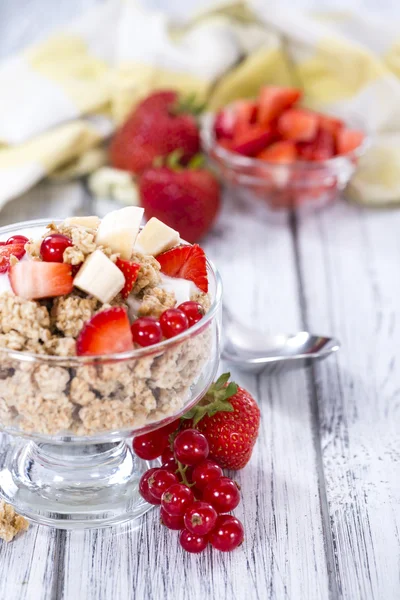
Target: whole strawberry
185 198
229 417
156 127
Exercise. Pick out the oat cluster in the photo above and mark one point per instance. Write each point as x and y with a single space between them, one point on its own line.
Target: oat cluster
10 522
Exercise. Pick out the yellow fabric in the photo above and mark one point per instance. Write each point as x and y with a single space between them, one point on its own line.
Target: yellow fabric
63 97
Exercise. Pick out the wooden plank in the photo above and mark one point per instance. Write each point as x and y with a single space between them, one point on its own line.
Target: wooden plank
283 555
350 266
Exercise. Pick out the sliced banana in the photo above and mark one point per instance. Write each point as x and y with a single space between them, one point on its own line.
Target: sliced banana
88 222
119 229
156 237
100 277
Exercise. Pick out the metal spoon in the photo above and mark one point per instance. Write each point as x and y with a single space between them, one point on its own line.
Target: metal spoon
252 350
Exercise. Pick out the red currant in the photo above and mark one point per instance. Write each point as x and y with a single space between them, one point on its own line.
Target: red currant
200 518
17 239
53 246
149 446
206 472
160 481
223 494
146 331
167 455
170 465
191 447
171 522
227 534
144 487
193 310
192 542
177 499
173 322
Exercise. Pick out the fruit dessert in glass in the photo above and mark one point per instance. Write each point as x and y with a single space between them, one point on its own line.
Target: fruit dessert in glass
107 330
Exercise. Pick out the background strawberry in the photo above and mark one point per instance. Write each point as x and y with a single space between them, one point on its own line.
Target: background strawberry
229 417
156 127
186 199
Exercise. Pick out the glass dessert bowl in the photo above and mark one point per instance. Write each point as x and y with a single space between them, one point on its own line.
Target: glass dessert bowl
70 462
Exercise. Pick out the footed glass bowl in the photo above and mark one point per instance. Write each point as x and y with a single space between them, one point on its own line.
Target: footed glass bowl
69 463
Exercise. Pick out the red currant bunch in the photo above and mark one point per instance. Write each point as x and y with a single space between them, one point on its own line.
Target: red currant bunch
193 493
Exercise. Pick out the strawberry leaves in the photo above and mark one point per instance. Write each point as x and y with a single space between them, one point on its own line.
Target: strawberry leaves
216 400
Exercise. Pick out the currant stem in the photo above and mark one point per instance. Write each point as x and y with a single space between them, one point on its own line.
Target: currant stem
182 472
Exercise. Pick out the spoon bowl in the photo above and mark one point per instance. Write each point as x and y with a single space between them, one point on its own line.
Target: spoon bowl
251 350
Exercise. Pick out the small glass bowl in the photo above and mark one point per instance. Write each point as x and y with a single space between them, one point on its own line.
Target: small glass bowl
298 185
71 418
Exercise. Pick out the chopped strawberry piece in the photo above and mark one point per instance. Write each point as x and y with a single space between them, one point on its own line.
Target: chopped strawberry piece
224 123
130 271
245 115
8 250
331 124
108 332
35 279
298 125
321 148
279 152
252 141
273 100
188 262
348 140
75 269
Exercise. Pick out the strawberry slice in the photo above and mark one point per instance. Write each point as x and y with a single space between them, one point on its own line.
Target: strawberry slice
273 100
224 124
321 148
108 332
130 271
188 262
35 279
331 124
8 250
348 140
298 125
245 114
280 152
252 141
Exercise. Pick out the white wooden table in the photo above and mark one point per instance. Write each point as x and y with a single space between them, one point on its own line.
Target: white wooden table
321 496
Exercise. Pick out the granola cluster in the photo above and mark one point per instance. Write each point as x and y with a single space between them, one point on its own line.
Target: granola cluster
10 522
68 397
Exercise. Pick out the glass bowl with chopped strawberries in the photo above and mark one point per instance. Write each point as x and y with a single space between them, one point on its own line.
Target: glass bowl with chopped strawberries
273 149
108 330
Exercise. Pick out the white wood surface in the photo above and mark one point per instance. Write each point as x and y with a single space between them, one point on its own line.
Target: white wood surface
321 496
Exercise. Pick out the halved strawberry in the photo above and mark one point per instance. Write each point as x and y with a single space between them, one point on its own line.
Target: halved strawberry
348 140
273 100
130 271
245 114
35 279
331 124
298 125
108 332
188 262
279 152
224 123
8 250
252 141
321 148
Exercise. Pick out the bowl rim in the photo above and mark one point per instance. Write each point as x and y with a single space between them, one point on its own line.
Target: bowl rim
75 361
235 159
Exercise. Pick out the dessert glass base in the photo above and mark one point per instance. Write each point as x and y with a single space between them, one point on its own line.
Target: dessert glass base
68 462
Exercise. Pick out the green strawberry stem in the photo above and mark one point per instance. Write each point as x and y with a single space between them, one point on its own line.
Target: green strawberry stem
188 104
215 400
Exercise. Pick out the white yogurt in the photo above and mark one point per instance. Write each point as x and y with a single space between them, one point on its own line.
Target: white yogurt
182 288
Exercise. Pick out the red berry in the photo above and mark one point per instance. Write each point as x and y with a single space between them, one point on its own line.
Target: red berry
173 322
193 310
170 465
200 518
190 447
171 522
192 542
167 455
53 246
146 331
227 534
160 481
144 487
206 472
177 499
223 494
149 446
17 239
